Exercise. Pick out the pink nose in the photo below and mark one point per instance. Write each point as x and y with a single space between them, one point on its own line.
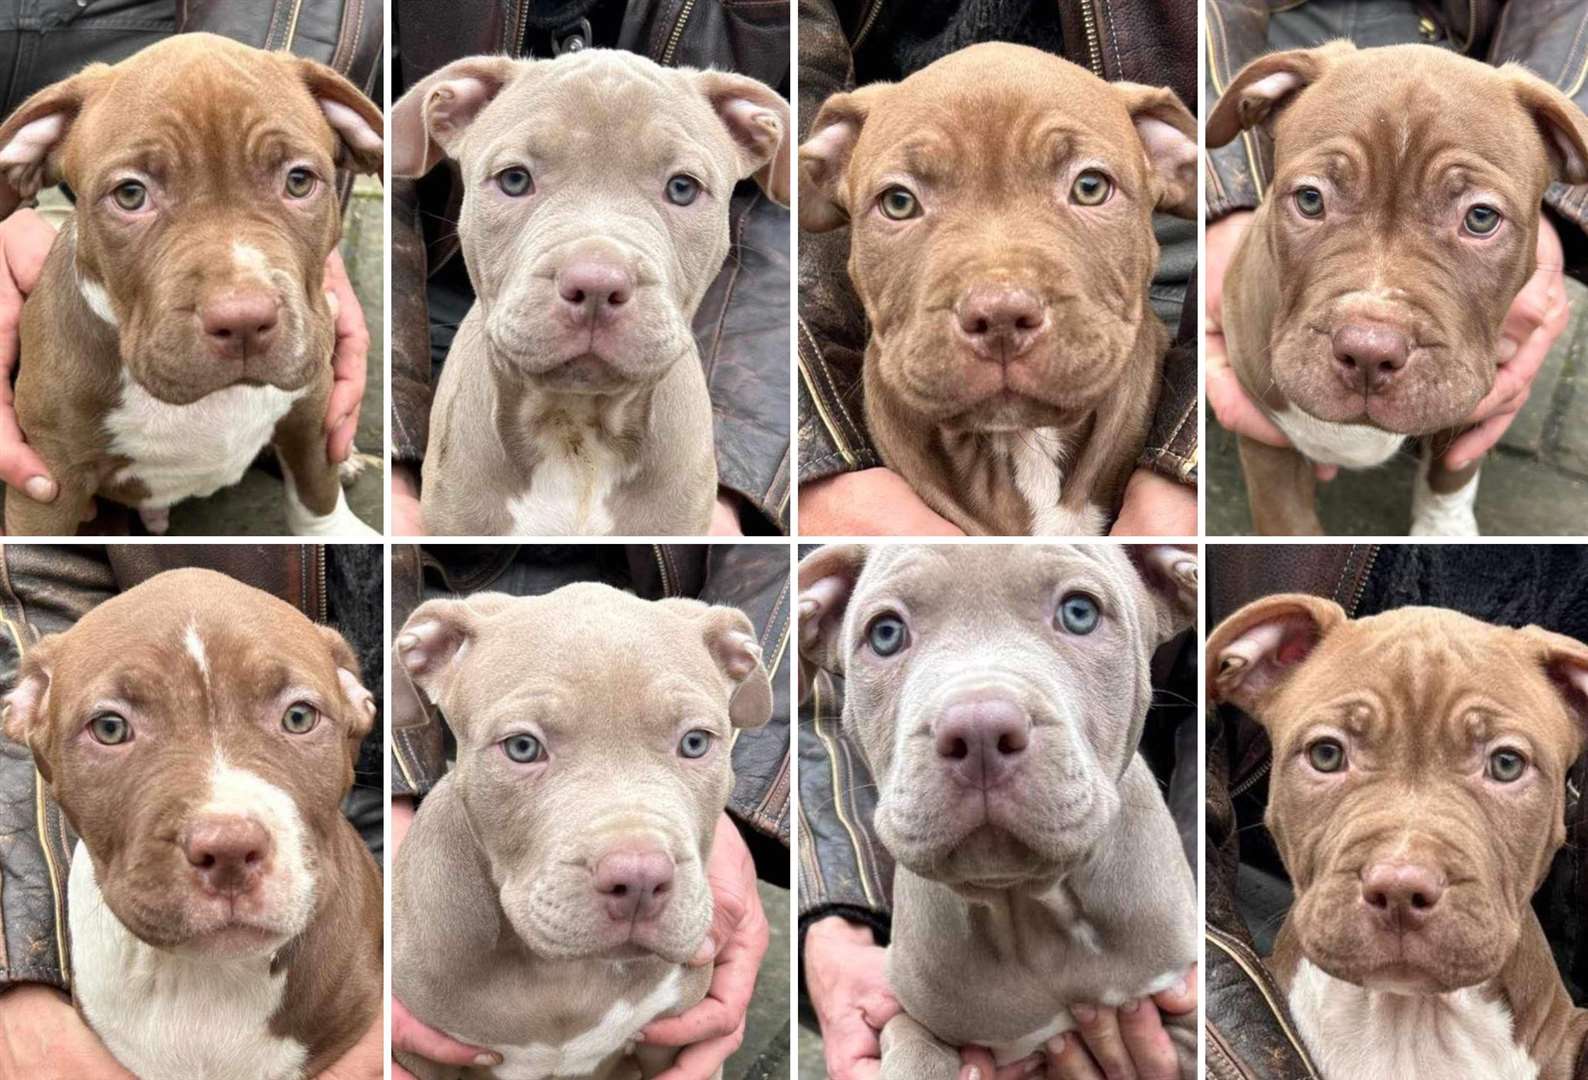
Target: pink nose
1000 322
228 854
593 287
239 324
1368 356
981 740
634 885
1402 895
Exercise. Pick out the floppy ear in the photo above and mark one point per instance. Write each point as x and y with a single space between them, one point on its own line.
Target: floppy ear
1253 652
1170 576
757 118
437 636
1267 85
730 638
355 118
32 137
824 157
1565 661
1168 133
428 120
25 713
827 578
1560 122
360 702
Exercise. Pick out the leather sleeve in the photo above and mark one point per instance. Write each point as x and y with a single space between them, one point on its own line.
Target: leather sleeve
411 388
1237 173
1173 449
418 746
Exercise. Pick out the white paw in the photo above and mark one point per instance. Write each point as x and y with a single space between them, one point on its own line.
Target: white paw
157 521
1449 514
356 465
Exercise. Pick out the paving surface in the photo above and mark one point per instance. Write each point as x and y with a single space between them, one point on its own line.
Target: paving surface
764 1054
1534 482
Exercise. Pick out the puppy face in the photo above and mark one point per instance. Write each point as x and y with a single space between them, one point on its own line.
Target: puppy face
1418 782
204 172
199 735
1000 208
1402 219
593 778
595 206
997 692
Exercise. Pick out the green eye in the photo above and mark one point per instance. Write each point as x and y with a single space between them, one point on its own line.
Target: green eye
130 195
109 729
299 719
523 749
300 183
1078 613
1506 766
887 634
1309 202
694 743
1482 220
1326 755
514 182
899 204
1091 188
682 189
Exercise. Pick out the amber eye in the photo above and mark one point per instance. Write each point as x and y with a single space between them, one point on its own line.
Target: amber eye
108 729
682 189
899 204
1482 220
130 196
1309 202
1506 766
299 719
1091 188
300 183
1326 755
514 182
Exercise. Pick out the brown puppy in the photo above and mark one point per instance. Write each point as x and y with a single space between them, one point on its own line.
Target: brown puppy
1417 798
1364 303
1000 203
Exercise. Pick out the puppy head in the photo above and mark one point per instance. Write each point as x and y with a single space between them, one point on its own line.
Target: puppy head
997 692
204 172
1402 218
594 731
595 205
200 736
1000 208
1418 783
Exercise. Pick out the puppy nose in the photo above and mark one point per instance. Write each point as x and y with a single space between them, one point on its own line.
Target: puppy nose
1403 895
981 740
240 324
1368 356
229 854
1000 322
592 287
634 885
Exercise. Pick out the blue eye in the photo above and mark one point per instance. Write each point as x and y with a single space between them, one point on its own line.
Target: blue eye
1078 613
523 749
887 634
695 743
682 189
514 182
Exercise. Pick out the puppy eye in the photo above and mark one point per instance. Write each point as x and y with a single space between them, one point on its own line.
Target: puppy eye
887 634
1481 220
299 719
130 196
899 204
694 744
682 189
1506 766
1309 202
522 748
301 183
108 729
1078 613
1326 755
515 182
1091 188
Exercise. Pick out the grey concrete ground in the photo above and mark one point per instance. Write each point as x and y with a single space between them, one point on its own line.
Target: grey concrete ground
765 1052
812 1065
1534 482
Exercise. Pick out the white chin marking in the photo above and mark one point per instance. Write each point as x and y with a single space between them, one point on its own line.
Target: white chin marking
1350 446
352 127
32 141
97 299
1451 514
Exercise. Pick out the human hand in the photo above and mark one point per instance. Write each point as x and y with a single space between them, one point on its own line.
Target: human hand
846 975
365 1060
349 362
724 517
25 242
43 1038
713 1029
406 517
1156 506
413 1037
1536 318
871 502
1128 1043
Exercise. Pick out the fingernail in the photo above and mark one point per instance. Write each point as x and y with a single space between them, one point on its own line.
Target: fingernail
974 1074
488 1059
1180 987
1034 1065
1130 1006
1458 464
1084 1013
1508 348
40 488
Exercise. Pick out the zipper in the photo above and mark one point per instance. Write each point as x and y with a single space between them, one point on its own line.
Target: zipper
678 32
1094 41
516 46
866 24
324 600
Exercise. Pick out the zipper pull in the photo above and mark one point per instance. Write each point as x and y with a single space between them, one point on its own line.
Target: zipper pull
572 39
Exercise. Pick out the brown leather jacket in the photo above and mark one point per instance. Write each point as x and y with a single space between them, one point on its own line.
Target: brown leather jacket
742 325
1151 41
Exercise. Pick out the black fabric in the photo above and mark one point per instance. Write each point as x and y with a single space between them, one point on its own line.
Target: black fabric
355 599
1509 584
910 34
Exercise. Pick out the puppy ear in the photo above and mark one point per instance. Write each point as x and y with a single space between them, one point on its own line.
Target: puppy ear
757 118
33 137
429 119
1170 575
1565 661
824 157
1168 133
730 637
437 636
827 578
359 700
355 118
24 716
1267 85
1560 122
1253 652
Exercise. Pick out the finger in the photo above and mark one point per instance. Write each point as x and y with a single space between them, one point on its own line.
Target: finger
1180 998
1151 1052
415 1037
340 447
1325 473
1100 1031
1068 1059
1230 403
847 1043
711 1019
725 1003
1472 444
976 1062
400 1073
702 1060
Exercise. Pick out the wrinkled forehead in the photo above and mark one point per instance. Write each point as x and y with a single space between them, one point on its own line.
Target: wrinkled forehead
956 582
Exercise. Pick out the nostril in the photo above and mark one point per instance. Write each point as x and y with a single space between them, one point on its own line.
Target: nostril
1376 899
1028 322
1011 744
957 749
1420 901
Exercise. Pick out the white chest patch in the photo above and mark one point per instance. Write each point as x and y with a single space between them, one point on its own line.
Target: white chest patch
1034 455
1351 446
580 1055
190 451
569 492
1025 1046
169 1017
1358 1034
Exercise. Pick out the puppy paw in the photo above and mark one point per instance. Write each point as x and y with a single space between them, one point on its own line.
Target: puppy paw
158 522
355 465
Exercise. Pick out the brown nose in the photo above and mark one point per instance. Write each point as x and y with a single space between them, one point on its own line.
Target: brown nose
1000 322
1368 356
228 854
1402 895
634 885
981 740
238 324
592 287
